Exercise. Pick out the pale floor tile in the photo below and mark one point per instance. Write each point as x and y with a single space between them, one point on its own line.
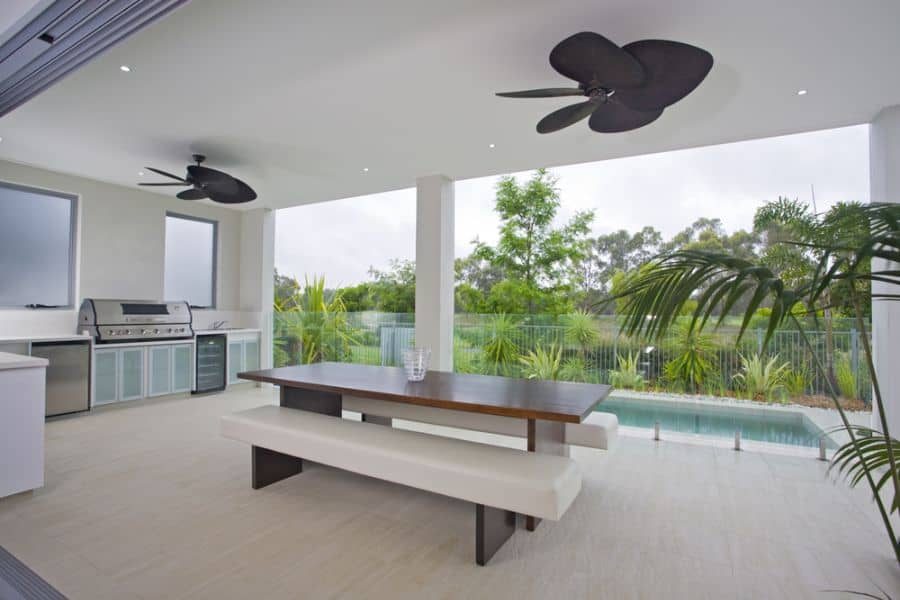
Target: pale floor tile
147 501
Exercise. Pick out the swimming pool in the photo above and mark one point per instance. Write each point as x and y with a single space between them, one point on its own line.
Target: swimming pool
703 418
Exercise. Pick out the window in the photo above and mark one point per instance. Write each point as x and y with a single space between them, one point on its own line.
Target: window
37 247
191 260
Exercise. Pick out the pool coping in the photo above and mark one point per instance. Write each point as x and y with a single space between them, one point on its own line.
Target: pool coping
821 418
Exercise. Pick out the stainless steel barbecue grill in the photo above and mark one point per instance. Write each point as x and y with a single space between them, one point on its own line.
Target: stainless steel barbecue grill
119 321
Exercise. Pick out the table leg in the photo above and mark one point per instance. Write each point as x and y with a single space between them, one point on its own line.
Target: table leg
546 437
326 403
387 421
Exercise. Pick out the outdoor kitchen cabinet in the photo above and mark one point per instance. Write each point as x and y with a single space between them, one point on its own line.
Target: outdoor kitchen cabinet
118 374
135 372
243 355
169 369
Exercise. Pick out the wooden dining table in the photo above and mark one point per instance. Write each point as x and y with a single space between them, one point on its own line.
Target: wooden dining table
546 405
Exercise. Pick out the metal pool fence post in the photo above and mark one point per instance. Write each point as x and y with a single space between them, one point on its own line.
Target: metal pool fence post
822 455
656 431
737 439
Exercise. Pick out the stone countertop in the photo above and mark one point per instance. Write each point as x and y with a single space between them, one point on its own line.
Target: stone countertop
66 337
18 361
227 331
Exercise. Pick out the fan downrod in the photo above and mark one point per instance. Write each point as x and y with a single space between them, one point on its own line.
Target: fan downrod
198 158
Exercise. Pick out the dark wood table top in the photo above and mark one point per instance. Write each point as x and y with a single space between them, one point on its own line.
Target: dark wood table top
505 396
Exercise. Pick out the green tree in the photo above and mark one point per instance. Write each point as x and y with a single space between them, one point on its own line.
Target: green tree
796 241
540 259
394 290
286 291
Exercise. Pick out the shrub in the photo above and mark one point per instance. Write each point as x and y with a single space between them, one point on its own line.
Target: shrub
693 365
796 382
542 364
847 381
761 379
500 351
580 330
628 376
573 369
465 357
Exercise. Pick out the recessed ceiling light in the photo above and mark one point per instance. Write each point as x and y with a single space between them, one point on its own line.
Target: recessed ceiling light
140 173
491 145
365 169
125 69
801 92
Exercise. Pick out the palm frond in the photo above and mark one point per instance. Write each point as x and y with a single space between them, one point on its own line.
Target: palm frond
873 456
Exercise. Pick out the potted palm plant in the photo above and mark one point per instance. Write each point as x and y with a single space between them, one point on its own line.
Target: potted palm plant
853 247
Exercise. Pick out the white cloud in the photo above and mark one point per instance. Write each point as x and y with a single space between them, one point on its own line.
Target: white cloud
341 239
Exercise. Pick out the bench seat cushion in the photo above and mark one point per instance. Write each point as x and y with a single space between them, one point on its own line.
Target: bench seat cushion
599 430
540 485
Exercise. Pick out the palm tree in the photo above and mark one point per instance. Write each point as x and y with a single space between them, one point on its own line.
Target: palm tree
313 326
844 249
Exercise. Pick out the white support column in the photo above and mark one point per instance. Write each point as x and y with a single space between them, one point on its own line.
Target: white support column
257 285
884 177
434 268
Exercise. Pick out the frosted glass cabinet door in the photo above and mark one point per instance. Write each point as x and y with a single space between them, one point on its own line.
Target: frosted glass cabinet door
160 376
106 388
235 360
182 365
131 373
251 355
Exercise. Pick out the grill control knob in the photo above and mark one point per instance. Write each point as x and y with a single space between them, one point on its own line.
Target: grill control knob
145 332
156 331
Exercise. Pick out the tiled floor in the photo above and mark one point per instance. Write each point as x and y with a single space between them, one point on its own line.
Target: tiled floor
147 501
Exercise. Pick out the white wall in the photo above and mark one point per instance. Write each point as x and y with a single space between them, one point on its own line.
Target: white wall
435 278
884 175
257 289
121 250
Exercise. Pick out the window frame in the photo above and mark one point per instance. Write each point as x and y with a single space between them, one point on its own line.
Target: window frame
74 202
215 257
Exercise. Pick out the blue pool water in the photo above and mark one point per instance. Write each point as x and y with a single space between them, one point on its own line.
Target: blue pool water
758 424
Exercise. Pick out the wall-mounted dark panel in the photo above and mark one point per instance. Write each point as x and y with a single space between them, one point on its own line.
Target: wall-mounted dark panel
66 35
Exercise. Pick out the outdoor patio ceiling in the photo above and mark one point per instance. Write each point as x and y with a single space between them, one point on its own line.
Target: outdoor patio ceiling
331 100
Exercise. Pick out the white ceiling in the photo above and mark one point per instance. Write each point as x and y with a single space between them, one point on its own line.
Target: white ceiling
297 98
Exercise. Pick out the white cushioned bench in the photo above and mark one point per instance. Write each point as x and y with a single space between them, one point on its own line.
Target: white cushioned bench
600 430
500 481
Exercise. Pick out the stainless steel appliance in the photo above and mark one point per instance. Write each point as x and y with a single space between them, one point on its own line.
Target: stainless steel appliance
68 375
111 321
212 363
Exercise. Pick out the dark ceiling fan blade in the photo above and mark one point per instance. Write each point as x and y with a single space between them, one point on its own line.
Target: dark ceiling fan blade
673 71
614 117
591 59
543 93
204 175
164 174
165 184
568 115
192 194
243 194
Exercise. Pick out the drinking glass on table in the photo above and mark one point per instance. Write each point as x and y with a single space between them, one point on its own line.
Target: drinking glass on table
415 361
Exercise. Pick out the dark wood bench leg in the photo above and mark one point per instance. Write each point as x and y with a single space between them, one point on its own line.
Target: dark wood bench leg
270 466
493 526
387 421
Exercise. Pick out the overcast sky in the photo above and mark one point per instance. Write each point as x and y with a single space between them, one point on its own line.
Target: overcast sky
342 239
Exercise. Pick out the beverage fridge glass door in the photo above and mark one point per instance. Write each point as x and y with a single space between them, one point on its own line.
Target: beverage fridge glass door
211 363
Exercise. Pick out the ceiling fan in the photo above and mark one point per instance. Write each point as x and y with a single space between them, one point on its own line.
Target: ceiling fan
626 87
207 183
